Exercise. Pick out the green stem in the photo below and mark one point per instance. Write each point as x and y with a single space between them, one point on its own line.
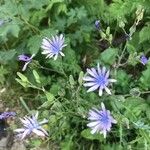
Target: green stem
120 134
24 105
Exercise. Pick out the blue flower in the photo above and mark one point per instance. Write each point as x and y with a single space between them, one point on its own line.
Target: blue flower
99 78
6 115
143 60
53 47
97 24
25 59
101 120
31 125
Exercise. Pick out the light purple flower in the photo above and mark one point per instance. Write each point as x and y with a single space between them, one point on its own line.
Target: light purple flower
101 120
98 79
97 24
31 125
53 47
25 59
6 115
144 60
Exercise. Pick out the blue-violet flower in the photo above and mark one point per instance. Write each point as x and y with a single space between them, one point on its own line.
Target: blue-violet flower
25 59
6 115
99 78
31 125
53 47
101 120
97 24
144 60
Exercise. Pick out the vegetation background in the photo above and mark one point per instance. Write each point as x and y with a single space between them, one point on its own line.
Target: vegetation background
55 89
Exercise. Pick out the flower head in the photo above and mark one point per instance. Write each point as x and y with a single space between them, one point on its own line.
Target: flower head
53 47
143 60
25 59
101 120
31 125
97 24
6 115
99 78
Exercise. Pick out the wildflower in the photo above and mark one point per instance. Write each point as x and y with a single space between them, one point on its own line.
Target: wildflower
97 24
25 59
31 125
6 115
101 120
53 47
1 22
143 60
98 79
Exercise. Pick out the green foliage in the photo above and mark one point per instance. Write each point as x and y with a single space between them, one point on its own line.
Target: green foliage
144 80
7 56
109 56
144 34
87 134
55 88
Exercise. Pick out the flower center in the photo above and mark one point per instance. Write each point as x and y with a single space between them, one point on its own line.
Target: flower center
101 80
56 48
104 118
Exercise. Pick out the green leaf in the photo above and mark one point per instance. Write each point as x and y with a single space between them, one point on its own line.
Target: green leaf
71 80
80 79
123 81
145 78
10 29
36 4
7 56
22 77
24 84
37 16
46 104
3 72
87 134
67 144
52 3
36 76
145 34
109 55
34 44
134 106
50 97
